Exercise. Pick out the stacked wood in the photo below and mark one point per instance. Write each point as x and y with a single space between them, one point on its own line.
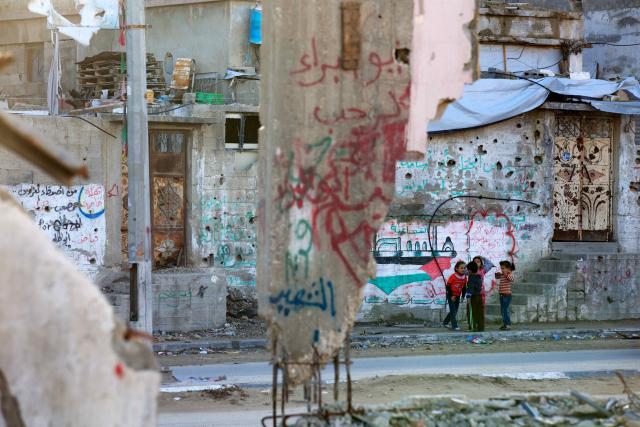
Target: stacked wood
105 72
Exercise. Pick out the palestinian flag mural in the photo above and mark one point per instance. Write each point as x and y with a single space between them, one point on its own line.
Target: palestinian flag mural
391 277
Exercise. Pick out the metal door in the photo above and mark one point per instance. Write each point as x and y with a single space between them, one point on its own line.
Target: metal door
582 178
167 169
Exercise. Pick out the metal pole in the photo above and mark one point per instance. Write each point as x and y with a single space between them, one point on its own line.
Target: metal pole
139 243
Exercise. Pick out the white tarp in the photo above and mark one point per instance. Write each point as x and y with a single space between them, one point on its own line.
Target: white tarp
489 101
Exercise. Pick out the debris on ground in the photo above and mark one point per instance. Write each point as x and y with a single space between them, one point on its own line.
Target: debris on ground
241 304
231 392
236 328
559 409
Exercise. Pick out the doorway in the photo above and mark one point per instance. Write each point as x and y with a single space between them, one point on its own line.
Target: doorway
167 160
582 196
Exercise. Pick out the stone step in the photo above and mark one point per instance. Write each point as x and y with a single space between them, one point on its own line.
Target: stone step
532 288
556 265
539 277
596 248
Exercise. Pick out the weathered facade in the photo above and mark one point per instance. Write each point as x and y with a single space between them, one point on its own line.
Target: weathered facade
517 159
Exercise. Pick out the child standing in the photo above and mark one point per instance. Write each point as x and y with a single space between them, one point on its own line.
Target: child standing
506 281
455 291
474 288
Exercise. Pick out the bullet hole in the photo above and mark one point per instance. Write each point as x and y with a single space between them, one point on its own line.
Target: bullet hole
460 148
480 184
95 230
537 160
509 174
430 138
637 161
47 209
536 134
499 166
537 122
477 137
495 141
252 220
526 137
609 299
634 186
451 163
470 142
532 184
481 150
518 159
84 159
238 257
402 55
221 179
208 228
205 259
518 209
519 125
596 150
92 261
408 176
440 164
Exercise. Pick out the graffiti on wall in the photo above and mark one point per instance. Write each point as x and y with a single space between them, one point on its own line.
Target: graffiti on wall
323 174
73 217
226 233
433 175
409 269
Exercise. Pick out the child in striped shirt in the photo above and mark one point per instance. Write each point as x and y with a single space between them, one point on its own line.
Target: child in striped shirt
506 281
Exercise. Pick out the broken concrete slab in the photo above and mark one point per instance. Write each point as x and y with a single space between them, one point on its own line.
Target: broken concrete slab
63 354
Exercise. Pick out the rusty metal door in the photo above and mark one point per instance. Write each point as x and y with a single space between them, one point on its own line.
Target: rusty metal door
167 168
582 178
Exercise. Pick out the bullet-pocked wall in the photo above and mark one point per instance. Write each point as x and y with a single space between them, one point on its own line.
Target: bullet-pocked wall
510 160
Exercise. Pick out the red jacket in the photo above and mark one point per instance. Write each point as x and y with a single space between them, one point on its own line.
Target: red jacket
456 283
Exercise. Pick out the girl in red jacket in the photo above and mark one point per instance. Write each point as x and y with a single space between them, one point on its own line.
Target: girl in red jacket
455 291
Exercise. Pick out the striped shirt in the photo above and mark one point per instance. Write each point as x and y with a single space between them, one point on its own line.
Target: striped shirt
506 281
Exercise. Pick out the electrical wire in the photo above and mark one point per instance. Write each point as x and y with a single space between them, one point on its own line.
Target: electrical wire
94 125
614 44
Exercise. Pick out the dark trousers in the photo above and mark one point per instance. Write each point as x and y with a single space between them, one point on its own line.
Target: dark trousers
505 301
477 313
453 313
447 318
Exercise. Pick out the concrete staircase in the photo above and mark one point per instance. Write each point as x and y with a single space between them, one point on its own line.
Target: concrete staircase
548 292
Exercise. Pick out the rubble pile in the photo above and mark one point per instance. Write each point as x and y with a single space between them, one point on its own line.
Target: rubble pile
241 304
560 409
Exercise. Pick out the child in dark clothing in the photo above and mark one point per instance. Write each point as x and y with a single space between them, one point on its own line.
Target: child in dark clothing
474 288
455 292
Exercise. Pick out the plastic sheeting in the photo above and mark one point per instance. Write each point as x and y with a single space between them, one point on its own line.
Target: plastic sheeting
489 101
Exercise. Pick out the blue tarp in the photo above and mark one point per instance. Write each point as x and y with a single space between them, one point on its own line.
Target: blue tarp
489 101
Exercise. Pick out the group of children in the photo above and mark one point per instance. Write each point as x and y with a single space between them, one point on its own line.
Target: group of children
467 281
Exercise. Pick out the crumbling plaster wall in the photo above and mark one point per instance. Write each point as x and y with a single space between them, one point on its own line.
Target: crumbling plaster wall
616 22
512 159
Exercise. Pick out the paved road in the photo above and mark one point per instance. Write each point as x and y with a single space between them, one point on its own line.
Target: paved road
549 364
542 364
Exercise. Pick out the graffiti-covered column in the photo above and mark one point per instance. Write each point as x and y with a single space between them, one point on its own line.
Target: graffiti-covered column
336 96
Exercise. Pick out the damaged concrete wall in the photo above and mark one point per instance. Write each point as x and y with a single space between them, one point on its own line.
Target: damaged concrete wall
335 108
512 159
506 160
617 23
64 357
84 219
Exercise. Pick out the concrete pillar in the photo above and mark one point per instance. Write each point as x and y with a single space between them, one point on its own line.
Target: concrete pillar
335 107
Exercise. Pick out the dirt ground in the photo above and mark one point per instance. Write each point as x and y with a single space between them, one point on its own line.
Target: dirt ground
392 388
242 356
